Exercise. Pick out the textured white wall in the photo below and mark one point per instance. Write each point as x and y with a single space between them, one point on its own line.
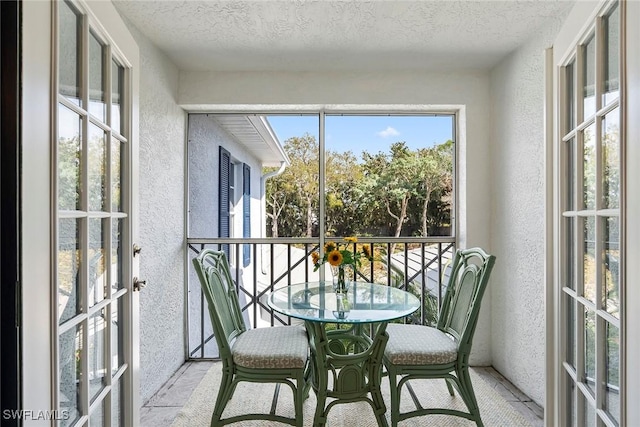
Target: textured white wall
162 135
518 216
467 90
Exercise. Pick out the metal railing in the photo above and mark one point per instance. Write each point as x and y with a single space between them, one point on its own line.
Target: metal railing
415 264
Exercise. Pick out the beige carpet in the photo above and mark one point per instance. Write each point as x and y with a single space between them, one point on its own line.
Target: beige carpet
495 411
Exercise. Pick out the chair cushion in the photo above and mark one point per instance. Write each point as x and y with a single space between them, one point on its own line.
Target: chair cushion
419 345
282 347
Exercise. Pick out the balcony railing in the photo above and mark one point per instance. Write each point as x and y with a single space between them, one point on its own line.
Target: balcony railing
419 265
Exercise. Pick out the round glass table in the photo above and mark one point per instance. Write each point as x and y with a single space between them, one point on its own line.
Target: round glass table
347 335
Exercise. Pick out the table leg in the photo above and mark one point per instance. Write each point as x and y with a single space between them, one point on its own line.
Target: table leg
355 375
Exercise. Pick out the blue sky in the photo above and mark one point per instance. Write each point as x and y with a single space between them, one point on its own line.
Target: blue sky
367 133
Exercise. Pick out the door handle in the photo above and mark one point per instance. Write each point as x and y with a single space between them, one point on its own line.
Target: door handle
136 249
138 284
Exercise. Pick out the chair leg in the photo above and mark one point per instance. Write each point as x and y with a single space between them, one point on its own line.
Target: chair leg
468 395
319 418
299 397
227 386
395 398
376 396
449 386
307 376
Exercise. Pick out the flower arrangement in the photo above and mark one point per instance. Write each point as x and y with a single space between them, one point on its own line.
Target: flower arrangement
339 256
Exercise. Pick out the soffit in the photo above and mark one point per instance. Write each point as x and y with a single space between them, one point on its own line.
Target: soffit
255 134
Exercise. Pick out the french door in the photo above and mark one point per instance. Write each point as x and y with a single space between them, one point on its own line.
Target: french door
590 158
95 307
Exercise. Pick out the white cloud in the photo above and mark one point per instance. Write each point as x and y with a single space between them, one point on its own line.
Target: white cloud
389 131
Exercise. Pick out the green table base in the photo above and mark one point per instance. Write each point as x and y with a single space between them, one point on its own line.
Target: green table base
354 362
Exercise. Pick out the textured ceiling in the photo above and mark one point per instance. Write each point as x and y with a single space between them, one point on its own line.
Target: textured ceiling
303 35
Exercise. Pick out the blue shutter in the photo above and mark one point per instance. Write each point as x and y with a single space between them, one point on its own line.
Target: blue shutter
246 212
223 199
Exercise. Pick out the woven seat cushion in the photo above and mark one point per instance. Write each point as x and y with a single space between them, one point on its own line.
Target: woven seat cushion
272 348
419 345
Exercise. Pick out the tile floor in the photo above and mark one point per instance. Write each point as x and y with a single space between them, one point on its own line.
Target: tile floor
163 407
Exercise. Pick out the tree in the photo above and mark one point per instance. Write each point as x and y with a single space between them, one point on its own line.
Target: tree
343 192
393 179
435 166
292 197
399 192
277 191
69 164
303 152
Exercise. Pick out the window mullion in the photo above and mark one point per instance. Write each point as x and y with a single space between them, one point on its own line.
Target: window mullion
321 185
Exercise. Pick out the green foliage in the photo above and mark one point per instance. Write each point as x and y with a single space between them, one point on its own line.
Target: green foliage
402 192
69 165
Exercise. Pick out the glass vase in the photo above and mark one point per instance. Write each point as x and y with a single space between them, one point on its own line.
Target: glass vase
343 306
341 274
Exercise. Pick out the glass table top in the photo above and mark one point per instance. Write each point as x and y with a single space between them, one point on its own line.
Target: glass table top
366 302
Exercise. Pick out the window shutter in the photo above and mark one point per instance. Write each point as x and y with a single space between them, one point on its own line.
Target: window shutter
223 199
246 212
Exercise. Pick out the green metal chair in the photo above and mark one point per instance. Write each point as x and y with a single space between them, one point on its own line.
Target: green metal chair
264 355
424 352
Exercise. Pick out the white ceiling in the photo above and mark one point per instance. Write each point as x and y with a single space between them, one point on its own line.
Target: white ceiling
327 35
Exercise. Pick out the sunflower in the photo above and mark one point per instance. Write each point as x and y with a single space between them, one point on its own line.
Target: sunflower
335 257
330 247
343 253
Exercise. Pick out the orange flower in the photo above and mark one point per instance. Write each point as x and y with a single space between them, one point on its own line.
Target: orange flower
335 257
315 257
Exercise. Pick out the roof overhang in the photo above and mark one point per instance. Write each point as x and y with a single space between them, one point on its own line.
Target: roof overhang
255 134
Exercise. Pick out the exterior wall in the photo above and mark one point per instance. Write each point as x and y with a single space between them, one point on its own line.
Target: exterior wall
205 137
415 91
161 196
518 216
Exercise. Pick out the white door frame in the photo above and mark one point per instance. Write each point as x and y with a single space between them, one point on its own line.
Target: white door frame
36 208
631 327
580 18
38 99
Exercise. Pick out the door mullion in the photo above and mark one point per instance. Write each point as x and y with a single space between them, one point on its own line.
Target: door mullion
580 395
599 247
108 207
599 325
84 206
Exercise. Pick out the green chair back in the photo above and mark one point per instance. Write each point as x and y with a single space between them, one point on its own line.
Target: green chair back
220 292
468 280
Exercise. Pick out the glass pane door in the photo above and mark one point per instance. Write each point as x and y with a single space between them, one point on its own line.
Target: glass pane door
591 258
93 225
